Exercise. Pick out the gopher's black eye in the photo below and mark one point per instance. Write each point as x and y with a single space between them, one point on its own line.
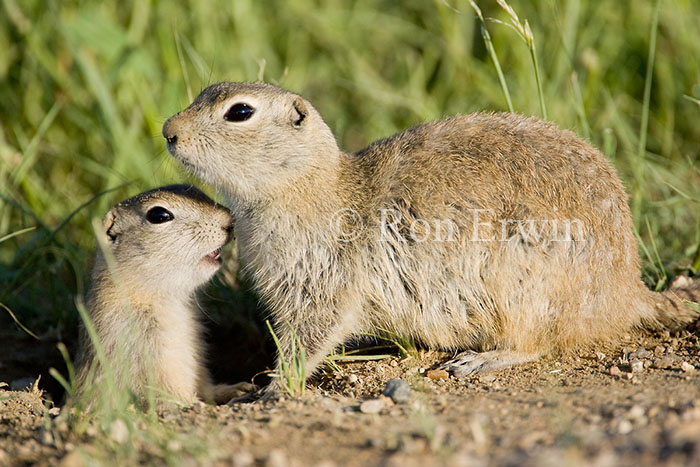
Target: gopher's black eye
158 215
239 112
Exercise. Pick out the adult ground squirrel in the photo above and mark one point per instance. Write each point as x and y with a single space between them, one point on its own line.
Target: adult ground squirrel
161 246
488 232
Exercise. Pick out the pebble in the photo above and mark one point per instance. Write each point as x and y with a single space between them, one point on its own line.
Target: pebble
635 412
277 458
398 390
490 378
685 366
352 379
47 438
118 431
662 363
330 404
600 356
637 366
614 371
174 445
243 459
198 406
372 406
685 434
624 427
640 354
658 350
437 375
73 459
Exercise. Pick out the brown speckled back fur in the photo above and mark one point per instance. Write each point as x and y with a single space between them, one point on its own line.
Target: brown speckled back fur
494 288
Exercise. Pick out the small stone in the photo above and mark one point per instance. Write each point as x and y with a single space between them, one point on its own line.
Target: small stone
635 412
352 379
47 438
685 366
662 363
489 378
681 282
640 354
198 406
243 459
437 375
600 356
690 414
118 431
398 390
91 430
372 406
637 366
658 350
329 404
685 434
277 458
614 371
624 427
174 445
72 459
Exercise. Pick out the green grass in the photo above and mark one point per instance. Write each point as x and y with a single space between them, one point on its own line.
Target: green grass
292 369
86 86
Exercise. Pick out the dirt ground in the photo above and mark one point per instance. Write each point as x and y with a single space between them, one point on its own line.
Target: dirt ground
634 404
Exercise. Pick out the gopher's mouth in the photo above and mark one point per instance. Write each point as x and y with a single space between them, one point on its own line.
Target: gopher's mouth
214 257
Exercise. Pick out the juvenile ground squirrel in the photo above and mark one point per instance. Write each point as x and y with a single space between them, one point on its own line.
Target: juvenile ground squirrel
488 232
162 245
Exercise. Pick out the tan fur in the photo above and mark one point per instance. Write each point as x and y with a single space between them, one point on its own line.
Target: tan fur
494 288
142 296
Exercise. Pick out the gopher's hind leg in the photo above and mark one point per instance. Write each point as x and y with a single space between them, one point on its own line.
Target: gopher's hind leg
470 362
223 393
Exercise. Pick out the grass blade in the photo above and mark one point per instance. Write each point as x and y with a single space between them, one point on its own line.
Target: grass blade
639 166
492 52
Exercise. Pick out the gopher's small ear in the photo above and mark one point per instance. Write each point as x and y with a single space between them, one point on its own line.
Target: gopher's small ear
300 112
109 227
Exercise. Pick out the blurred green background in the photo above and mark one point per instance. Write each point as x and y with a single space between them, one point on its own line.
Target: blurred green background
85 87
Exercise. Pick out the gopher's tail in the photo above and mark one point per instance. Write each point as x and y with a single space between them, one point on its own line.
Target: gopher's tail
678 306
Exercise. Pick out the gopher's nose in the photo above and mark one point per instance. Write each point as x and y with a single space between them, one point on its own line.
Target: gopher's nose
169 132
